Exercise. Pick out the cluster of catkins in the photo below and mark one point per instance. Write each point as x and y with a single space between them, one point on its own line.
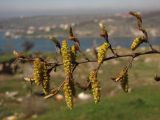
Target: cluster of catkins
69 57
41 75
67 63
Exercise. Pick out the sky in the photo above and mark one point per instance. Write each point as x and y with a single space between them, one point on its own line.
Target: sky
11 8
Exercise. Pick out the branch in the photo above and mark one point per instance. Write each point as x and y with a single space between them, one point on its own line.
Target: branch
133 55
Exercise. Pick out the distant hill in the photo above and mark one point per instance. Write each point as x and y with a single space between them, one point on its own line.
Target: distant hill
118 25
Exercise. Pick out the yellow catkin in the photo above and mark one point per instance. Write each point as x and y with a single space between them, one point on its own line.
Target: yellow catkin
136 42
121 75
95 86
123 78
38 71
124 83
46 80
102 52
67 62
68 94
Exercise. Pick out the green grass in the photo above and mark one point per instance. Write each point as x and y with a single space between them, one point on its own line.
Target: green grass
136 105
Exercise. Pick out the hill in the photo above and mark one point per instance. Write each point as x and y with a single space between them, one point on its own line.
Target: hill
118 25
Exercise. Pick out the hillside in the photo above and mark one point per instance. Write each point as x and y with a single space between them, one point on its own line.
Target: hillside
118 25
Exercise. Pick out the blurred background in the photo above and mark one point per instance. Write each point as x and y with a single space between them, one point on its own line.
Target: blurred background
25 27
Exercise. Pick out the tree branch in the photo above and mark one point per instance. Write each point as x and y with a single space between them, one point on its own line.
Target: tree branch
133 55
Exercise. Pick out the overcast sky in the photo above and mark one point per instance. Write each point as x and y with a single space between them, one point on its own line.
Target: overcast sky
38 7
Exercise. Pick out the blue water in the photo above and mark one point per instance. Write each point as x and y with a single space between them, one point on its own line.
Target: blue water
43 45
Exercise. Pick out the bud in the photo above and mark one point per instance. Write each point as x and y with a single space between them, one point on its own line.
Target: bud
104 32
101 25
71 35
138 17
17 54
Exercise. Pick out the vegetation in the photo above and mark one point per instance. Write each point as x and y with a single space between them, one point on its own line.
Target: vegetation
67 60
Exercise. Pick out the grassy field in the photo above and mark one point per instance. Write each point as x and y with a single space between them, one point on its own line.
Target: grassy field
138 105
142 103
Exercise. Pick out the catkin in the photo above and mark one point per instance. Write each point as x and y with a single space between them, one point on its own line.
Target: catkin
102 52
123 78
124 83
95 86
136 42
38 71
67 62
46 80
68 94
121 75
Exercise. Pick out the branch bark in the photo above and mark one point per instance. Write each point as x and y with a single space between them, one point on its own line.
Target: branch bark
132 55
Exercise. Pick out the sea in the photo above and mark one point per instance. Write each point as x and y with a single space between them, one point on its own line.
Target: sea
45 45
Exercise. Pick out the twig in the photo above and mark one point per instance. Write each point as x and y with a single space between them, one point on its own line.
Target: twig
54 91
83 87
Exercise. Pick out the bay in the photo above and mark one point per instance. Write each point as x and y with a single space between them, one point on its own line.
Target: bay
45 45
